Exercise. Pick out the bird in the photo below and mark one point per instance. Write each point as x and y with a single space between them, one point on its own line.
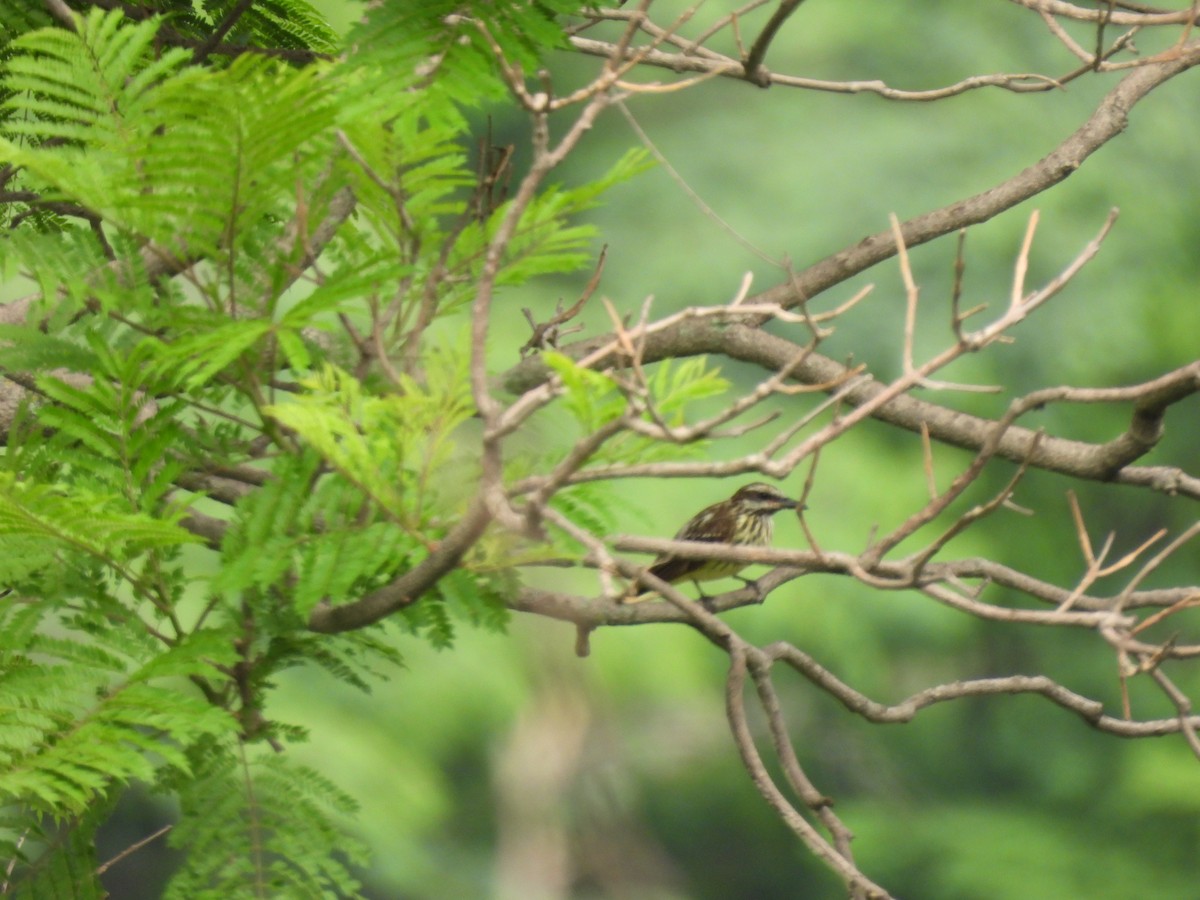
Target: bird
744 520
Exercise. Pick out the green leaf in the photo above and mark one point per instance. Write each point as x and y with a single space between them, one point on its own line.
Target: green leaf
82 521
350 283
196 360
592 397
676 384
289 822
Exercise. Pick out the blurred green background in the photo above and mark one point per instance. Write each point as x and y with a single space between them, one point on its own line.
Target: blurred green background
509 768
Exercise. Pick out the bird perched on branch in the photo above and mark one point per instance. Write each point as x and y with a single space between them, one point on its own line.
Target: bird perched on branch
744 519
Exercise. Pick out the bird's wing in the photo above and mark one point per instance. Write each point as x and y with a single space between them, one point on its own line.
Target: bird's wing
702 527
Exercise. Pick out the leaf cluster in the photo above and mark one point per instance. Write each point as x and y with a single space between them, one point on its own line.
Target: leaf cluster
241 272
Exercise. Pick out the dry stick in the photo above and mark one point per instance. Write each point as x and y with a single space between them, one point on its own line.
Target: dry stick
960 267
544 332
1155 562
728 67
1065 38
1021 269
624 58
1182 703
1187 29
1091 711
1188 602
735 709
1099 462
912 295
970 517
132 848
1101 21
939 502
729 19
755 71
927 457
1084 14
1109 119
1093 563
1085 542
662 35
759 664
809 481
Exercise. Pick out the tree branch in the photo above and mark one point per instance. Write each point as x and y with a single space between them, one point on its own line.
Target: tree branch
409 587
218 35
1110 119
758 50
1095 462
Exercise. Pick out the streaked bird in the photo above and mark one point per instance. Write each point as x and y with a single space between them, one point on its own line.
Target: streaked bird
744 519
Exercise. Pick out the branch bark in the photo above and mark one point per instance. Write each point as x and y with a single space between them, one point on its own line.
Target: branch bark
1109 120
412 585
1105 462
1094 462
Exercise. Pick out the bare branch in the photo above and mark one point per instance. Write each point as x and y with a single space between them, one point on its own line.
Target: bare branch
736 711
62 12
1098 462
218 35
1085 14
1109 119
758 50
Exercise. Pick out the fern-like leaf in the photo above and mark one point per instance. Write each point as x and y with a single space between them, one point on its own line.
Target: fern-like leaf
287 821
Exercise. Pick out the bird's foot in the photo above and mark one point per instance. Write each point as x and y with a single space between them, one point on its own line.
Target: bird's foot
759 596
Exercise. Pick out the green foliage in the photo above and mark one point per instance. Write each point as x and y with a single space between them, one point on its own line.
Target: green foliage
596 398
54 856
136 645
131 135
405 41
80 521
542 244
281 817
74 709
240 408
283 24
83 713
389 446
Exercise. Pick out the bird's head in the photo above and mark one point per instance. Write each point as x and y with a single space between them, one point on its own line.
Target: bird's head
762 499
